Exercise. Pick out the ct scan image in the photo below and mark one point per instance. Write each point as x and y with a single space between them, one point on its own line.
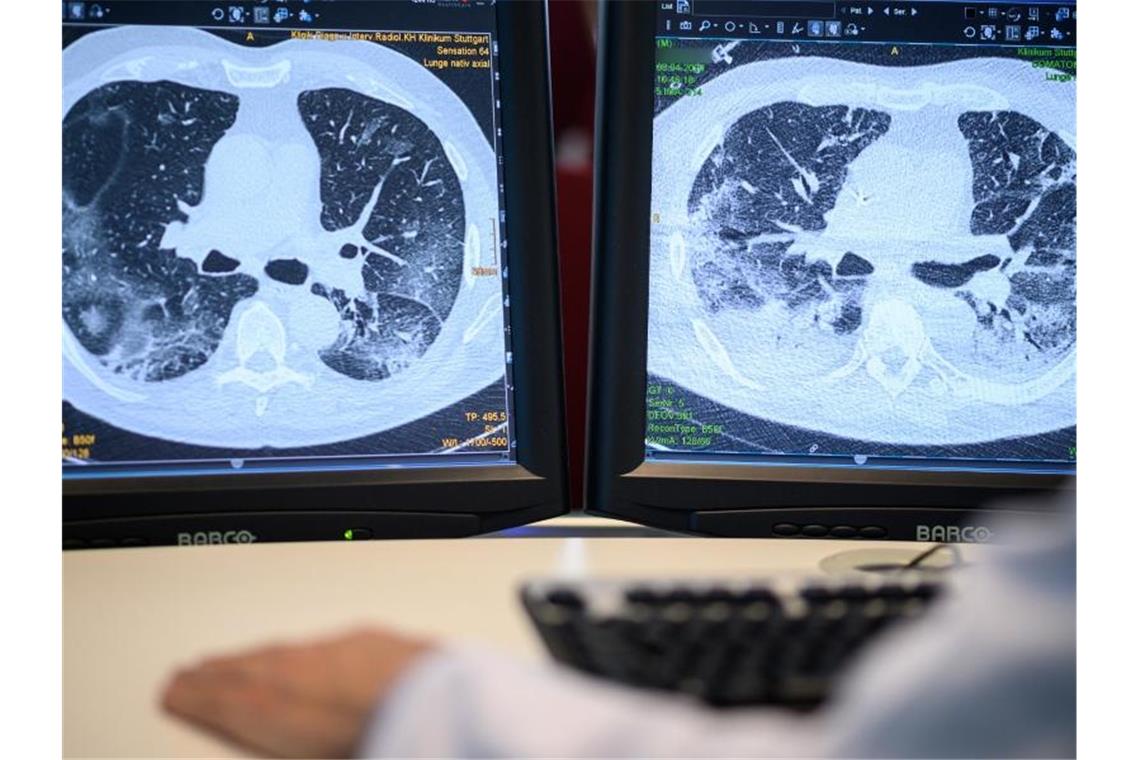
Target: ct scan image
855 256
274 247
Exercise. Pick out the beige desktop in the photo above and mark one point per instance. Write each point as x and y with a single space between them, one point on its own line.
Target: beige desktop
132 616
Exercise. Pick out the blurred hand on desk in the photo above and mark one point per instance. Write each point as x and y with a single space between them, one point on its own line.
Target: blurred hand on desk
307 700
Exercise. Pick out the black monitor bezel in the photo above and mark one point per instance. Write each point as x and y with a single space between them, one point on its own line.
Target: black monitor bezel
619 480
534 487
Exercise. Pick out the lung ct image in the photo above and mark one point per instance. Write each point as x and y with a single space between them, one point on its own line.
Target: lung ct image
275 265
863 259
418 220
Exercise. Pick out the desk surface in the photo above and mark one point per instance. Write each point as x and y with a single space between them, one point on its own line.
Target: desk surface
132 615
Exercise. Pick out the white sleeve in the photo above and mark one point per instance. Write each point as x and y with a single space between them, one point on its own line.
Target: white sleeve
991 671
470 702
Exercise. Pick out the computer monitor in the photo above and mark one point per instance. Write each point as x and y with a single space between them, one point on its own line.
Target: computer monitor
834 271
309 276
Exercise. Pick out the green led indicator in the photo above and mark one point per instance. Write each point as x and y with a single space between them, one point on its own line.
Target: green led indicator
348 535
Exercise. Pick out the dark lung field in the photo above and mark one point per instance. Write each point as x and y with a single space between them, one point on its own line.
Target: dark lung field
879 255
275 246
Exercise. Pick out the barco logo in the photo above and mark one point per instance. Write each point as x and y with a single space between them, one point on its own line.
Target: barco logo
204 537
968 534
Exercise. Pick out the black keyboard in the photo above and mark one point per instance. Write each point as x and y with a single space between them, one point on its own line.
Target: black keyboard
772 642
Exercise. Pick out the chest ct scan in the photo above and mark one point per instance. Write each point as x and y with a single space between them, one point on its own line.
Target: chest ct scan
878 258
274 247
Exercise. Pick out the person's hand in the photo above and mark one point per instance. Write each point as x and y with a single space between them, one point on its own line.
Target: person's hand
306 700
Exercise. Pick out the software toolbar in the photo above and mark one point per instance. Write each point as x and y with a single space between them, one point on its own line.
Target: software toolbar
1045 24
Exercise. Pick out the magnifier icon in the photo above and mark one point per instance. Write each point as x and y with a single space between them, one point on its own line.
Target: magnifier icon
705 25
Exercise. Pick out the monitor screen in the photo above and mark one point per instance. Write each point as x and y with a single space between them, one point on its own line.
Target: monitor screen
283 238
863 235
